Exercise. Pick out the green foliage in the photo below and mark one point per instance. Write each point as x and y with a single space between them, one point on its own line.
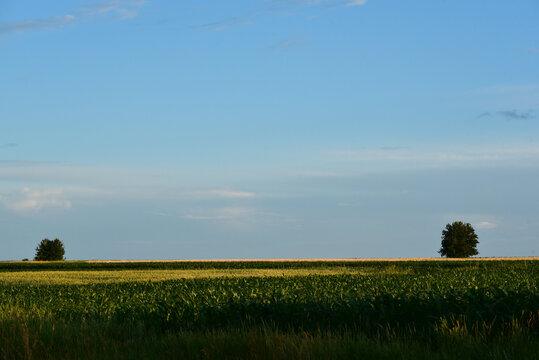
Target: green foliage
504 291
110 341
468 303
50 250
369 266
459 240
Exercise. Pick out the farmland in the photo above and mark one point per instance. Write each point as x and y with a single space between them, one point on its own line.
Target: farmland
318 309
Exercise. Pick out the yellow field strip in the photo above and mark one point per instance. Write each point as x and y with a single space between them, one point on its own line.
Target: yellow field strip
111 276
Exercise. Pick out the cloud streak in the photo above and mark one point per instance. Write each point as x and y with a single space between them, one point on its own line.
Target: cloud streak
438 157
226 215
486 225
122 10
37 24
515 115
228 23
222 193
355 3
238 217
288 6
31 200
509 114
289 45
326 3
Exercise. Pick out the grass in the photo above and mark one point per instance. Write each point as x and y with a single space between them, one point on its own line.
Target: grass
256 310
59 340
78 277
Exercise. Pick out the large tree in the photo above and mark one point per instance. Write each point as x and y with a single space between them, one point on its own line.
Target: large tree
50 250
459 240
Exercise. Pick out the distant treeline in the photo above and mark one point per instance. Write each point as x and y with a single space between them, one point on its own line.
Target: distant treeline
412 266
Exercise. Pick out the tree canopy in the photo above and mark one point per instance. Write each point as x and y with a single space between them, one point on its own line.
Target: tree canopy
50 250
459 240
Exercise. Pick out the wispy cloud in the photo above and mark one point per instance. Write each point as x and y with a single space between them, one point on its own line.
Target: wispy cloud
37 199
31 200
532 50
289 45
326 3
439 157
122 10
478 221
238 217
8 145
227 23
283 7
509 114
356 3
515 115
118 182
37 24
484 115
228 214
222 193
486 225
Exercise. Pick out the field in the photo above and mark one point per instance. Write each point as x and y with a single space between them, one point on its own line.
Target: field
475 309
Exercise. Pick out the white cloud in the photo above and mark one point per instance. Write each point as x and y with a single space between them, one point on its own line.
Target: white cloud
479 221
223 193
123 10
439 157
35 200
356 3
28 199
290 45
486 225
239 217
222 214
37 24
129 182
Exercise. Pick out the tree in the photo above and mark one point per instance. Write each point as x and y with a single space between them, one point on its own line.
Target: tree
459 240
50 250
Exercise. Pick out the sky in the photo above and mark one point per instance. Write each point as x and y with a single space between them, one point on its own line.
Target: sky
205 129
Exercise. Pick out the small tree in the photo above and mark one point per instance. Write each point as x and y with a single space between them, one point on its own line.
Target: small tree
50 250
459 240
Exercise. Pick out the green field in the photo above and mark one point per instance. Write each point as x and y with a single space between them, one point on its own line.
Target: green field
270 310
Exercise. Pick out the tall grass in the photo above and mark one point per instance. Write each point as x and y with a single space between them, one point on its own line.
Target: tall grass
392 310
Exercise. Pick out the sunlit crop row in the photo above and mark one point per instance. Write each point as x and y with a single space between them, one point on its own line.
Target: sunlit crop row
421 297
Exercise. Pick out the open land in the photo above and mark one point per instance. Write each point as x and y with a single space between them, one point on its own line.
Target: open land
277 309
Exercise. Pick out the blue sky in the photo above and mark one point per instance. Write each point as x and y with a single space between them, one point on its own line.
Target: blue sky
263 129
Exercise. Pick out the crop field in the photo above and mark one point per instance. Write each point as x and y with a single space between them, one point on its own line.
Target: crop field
270 310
